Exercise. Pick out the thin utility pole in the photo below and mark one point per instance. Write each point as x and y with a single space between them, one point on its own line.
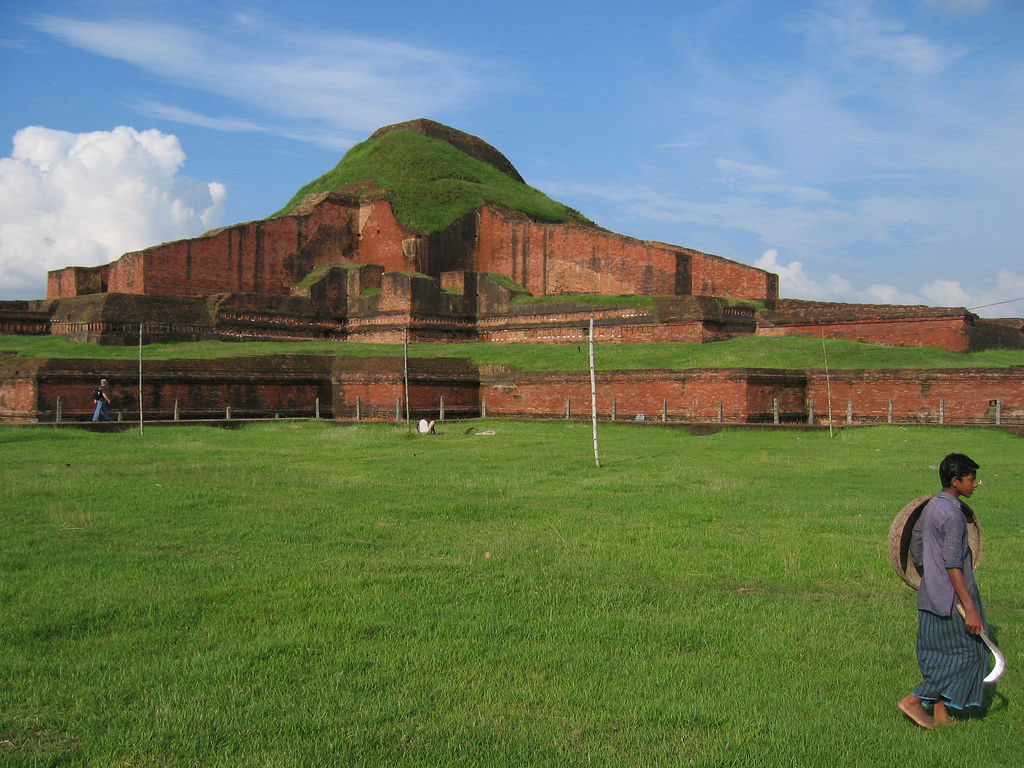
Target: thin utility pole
828 383
140 378
405 360
593 393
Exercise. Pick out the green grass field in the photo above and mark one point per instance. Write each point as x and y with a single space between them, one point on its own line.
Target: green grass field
788 352
304 594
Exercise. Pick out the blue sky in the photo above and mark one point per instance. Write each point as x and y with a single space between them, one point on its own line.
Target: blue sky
866 151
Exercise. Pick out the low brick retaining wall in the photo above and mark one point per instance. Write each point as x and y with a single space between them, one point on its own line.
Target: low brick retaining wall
952 396
734 395
374 388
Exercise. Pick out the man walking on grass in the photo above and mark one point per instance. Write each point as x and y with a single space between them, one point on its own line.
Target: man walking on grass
950 651
99 395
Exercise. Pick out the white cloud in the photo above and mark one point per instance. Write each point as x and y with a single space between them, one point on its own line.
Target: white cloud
853 31
1003 297
339 82
797 193
732 168
805 218
326 138
946 293
795 283
84 199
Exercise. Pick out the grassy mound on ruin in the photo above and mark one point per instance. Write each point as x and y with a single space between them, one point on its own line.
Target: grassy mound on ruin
430 183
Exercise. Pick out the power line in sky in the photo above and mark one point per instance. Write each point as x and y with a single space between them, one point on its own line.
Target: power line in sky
996 303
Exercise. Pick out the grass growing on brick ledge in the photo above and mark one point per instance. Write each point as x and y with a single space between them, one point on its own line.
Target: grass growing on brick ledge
787 352
596 299
310 595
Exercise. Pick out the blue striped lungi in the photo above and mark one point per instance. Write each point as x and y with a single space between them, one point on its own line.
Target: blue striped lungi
952 660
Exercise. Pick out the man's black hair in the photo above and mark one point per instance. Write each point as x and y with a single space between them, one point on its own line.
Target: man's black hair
955 465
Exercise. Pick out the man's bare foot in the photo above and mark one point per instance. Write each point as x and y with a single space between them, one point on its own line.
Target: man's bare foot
941 714
910 706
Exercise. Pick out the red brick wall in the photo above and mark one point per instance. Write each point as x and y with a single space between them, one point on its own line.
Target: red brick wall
28 318
244 258
249 257
17 397
290 385
952 333
76 281
258 387
269 256
968 394
564 258
693 331
378 396
128 274
714 276
374 385
369 398
60 283
686 395
746 395
381 240
57 286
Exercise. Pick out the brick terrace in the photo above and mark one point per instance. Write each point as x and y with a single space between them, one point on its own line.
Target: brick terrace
373 388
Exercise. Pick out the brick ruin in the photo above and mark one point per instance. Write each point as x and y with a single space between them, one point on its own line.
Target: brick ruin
955 329
342 266
373 388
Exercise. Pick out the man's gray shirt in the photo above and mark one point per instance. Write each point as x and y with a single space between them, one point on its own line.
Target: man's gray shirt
939 542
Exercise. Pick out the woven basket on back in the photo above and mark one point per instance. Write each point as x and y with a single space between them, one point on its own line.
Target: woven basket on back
903 527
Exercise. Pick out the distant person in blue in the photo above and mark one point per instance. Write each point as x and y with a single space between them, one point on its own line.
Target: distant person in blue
950 651
102 401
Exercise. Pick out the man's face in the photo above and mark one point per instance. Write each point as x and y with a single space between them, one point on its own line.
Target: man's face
965 485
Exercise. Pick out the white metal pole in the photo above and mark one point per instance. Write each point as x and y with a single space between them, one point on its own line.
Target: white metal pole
593 393
140 378
828 383
405 357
